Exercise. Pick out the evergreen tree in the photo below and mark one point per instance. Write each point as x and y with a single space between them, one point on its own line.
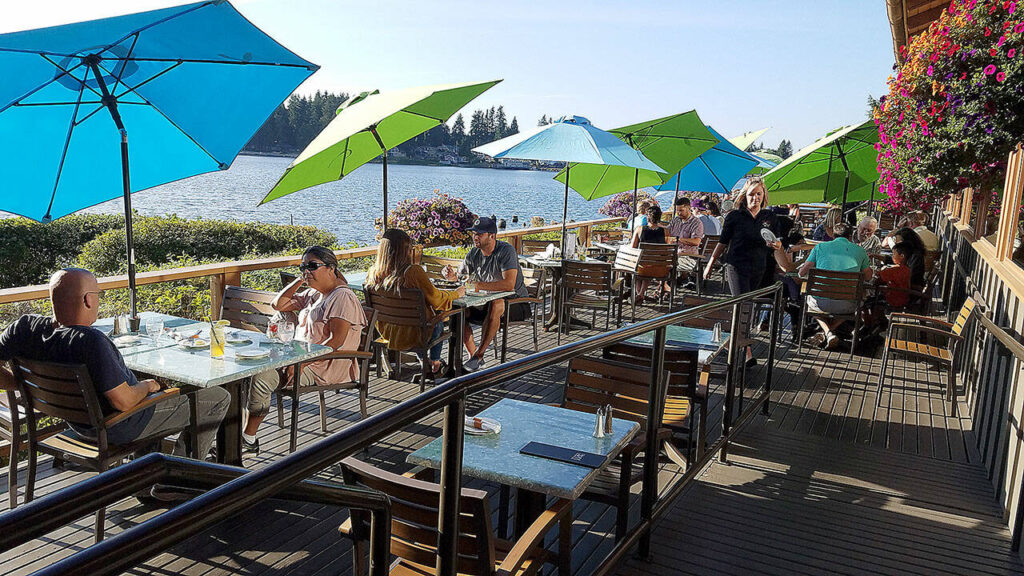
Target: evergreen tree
543 120
500 123
514 127
785 149
873 104
477 128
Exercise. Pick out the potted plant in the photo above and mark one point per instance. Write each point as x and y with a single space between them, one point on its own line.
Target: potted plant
440 220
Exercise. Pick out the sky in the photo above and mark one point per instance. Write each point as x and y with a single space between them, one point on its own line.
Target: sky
799 67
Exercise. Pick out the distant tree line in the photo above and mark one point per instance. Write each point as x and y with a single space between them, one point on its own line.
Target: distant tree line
783 150
293 126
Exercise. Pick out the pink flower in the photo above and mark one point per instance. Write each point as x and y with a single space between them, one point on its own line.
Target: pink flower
1011 53
1001 76
990 69
930 70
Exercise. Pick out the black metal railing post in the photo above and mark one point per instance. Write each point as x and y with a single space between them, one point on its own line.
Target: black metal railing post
735 353
773 344
655 410
451 487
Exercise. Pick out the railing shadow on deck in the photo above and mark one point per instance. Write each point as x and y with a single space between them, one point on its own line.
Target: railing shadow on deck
231 491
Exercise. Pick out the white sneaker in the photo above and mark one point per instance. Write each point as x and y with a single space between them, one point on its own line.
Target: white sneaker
474 364
831 341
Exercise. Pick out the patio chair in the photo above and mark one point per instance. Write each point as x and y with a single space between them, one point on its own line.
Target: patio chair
415 510
536 300
845 286
12 416
294 389
592 383
531 247
434 264
66 391
644 263
408 307
586 285
917 328
707 247
247 309
688 384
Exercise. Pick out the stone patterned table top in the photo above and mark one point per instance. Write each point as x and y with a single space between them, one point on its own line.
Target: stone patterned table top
197 368
496 458
686 338
357 279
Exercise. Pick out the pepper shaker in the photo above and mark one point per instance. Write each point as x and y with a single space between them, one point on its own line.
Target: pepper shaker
608 419
599 423
716 333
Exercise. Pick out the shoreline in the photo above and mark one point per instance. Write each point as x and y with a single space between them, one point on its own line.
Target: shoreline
397 162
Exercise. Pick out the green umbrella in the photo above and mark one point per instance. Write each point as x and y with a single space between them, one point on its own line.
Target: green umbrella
670 142
839 168
367 127
743 141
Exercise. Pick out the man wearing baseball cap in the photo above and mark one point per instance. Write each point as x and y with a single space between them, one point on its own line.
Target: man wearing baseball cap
496 267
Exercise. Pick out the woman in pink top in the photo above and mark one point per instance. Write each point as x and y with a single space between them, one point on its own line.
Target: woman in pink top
329 314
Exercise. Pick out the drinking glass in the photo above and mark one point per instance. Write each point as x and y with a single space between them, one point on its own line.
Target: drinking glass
155 328
272 330
216 340
286 332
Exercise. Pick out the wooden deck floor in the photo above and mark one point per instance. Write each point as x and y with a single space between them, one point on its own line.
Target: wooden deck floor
828 483
803 463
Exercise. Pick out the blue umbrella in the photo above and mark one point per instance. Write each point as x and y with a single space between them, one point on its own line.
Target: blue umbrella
713 171
573 140
188 86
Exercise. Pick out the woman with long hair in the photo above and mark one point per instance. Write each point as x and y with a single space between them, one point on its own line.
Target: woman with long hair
329 314
651 233
394 270
746 251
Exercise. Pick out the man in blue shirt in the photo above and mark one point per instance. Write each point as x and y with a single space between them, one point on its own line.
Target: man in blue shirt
839 255
68 337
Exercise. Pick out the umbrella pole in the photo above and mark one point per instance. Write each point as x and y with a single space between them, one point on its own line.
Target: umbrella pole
565 208
385 190
110 102
636 179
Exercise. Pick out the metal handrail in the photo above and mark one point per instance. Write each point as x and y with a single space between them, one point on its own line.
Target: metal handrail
139 543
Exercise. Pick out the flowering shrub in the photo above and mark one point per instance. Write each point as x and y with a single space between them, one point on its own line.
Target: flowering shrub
621 205
955 107
441 219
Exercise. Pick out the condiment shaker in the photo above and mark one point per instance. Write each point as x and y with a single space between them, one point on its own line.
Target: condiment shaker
608 419
599 423
716 333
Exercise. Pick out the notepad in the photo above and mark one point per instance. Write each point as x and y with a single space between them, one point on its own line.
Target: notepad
562 454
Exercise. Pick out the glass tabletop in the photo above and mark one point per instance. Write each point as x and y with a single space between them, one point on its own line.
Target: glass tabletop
496 457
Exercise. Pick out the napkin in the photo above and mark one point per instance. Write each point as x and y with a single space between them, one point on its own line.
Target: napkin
479 425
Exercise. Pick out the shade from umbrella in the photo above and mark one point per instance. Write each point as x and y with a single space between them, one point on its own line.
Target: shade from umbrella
670 142
715 171
368 128
573 140
839 168
187 86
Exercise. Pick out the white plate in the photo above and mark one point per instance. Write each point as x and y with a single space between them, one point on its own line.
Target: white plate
237 339
251 354
126 340
194 343
487 426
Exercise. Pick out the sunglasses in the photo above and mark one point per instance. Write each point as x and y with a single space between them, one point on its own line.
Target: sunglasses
311 266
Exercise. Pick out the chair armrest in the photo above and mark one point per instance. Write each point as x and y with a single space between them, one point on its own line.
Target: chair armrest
527 299
345 355
420 473
444 315
346 528
533 538
896 316
923 329
145 403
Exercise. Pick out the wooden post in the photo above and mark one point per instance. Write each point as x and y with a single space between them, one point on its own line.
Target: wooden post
584 235
218 283
1008 213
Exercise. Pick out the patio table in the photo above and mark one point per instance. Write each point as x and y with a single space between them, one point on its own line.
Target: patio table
687 338
554 265
496 457
196 369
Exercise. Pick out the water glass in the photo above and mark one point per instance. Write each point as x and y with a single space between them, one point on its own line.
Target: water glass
155 328
273 330
286 332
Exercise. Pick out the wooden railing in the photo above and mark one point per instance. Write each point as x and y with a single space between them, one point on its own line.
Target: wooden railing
223 274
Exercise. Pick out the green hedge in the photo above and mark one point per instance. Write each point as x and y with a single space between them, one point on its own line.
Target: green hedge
31 251
161 240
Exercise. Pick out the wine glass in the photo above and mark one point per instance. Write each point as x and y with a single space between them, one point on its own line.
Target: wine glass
155 327
273 330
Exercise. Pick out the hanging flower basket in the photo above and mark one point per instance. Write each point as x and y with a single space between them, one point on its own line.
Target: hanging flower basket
621 205
441 220
955 107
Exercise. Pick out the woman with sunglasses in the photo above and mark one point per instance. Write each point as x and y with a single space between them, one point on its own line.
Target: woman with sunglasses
329 314
394 270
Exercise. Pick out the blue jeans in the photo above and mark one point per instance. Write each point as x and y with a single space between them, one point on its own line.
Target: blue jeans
435 351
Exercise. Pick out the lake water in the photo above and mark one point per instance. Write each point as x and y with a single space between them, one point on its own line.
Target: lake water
347 207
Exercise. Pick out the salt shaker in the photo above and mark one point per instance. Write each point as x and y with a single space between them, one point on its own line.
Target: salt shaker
608 419
599 424
716 333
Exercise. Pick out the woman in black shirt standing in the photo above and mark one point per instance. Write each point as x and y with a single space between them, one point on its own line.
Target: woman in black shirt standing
746 251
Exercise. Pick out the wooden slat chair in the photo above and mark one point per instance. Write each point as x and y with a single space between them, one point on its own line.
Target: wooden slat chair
246 308
917 344
12 417
657 256
534 279
294 389
537 246
586 285
707 247
415 509
66 391
688 384
592 383
627 260
846 286
435 264
408 307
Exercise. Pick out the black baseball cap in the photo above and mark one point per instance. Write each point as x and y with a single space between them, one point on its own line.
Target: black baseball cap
484 225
